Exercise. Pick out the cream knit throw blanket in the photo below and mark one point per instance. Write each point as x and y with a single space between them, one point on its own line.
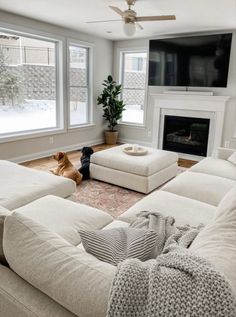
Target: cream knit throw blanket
177 283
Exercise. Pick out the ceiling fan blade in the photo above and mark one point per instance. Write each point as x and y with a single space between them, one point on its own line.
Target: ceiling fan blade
103 21
117 10
156 18
139 26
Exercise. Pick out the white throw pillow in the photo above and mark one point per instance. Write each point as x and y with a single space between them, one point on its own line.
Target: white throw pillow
216 242
232 158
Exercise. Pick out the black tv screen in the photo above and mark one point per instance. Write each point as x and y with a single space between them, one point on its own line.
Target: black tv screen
197 61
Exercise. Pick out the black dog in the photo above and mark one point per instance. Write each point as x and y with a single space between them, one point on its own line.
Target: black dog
85 161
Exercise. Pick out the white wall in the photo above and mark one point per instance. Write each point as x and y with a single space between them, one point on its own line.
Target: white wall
21 150
143 135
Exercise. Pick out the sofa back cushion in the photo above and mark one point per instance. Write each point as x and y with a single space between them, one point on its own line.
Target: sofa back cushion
3 213
216 242
65 217
70 276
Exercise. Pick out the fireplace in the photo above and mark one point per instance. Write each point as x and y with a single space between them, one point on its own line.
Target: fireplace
186 135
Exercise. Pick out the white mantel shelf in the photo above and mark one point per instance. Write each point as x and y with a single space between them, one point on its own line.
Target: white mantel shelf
189 105
211 103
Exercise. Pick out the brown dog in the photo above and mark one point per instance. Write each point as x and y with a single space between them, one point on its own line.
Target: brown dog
66 168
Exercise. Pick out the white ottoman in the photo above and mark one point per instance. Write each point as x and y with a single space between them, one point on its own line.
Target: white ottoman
140 173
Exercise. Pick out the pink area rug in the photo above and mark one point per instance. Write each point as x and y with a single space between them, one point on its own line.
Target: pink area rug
109 198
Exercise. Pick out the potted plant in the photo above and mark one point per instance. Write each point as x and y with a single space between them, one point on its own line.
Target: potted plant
112 108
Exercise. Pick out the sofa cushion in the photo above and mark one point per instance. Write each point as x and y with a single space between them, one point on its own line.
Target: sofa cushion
20 299
207 188
3 213
216 167
149 164
70 276
65 217
183 209
232 158
216 242
21 185
115 245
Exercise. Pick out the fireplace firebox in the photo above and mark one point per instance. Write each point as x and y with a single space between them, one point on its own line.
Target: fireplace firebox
186 135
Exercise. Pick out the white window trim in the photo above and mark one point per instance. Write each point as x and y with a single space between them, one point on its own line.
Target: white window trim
90 47
120 52
58 40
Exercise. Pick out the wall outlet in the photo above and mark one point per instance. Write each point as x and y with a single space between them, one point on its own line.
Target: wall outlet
227 144
51 140
149 133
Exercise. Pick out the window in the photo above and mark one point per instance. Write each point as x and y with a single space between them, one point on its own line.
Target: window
137 64
133 79
28 84
79 87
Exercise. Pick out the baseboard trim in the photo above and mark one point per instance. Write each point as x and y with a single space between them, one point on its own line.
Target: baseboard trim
130 141
42 154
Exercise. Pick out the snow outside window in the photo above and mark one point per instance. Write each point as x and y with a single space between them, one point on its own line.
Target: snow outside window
133 80
28 84
79 84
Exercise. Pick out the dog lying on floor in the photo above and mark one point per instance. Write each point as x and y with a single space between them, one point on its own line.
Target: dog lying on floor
65 168
85 161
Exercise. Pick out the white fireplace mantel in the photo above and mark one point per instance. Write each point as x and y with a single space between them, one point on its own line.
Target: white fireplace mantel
200 106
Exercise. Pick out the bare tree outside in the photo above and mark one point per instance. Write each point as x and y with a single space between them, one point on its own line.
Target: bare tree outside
9 83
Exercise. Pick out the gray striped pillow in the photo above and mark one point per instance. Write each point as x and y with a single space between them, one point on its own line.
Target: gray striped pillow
117 244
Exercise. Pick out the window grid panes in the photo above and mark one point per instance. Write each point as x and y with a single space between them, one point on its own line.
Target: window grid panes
133 79
79 85
28 84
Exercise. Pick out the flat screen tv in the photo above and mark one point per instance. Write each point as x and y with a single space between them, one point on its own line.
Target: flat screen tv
197 61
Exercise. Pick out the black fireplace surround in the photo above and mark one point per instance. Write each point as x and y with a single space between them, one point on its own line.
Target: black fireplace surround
186 135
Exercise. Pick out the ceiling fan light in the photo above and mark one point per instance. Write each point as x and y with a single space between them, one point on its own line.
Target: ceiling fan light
129 29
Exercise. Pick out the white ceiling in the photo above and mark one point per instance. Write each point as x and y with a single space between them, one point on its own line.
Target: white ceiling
192 15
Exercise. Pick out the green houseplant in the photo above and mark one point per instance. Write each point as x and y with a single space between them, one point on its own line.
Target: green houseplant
112 107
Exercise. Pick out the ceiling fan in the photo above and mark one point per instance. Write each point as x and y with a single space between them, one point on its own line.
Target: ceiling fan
131 20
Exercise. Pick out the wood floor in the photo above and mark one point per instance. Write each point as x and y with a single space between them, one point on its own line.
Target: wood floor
48 163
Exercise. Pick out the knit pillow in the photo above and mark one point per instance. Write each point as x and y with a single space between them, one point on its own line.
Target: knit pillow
117 244
232 158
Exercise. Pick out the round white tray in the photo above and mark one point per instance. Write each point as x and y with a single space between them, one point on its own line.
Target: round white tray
137 150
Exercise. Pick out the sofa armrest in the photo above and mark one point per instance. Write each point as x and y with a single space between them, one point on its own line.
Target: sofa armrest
224 153
70 276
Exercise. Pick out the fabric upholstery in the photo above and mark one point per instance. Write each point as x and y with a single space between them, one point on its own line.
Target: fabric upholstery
135 182
224 153
70 276
21 185
117 224
216 242
3 213
217 167
207 188
111 225
20 299
184 210
232 158
65 217
115 245
146 165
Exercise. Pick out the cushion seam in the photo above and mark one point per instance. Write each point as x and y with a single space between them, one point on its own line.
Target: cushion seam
19 302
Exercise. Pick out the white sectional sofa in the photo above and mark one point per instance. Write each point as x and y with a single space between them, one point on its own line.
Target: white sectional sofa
49 272
20 185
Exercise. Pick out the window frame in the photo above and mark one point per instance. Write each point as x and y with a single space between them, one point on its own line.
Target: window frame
120 62
58 40
90 58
